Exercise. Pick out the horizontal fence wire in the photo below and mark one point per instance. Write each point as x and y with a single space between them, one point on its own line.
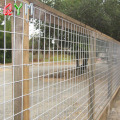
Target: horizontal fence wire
54 69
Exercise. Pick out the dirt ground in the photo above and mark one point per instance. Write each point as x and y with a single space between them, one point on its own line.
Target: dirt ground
56 98
114 114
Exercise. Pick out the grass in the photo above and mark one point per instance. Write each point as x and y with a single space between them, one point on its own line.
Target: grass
56 57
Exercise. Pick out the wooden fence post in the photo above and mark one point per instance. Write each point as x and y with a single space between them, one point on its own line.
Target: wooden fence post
20 61
110 73
92 56
26 68
17 68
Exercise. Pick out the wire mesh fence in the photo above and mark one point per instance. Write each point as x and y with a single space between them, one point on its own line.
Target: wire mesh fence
54 69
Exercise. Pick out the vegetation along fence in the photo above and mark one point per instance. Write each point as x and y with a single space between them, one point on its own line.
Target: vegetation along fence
53 67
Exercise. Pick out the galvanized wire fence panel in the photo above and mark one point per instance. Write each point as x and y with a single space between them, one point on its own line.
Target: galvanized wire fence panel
54 69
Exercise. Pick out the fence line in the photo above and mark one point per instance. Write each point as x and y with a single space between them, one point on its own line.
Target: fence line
54 67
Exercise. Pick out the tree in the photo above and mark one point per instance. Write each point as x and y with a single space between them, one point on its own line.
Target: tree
5 40
103 15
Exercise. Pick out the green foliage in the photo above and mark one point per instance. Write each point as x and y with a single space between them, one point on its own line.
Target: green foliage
5 40
103 16
49 2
